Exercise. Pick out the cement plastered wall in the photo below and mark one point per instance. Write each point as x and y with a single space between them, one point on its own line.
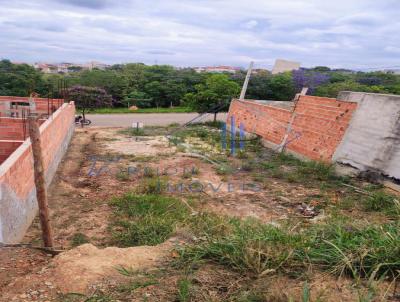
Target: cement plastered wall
18 204
371 142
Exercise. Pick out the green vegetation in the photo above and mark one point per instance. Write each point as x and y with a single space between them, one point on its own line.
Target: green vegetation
163 88
354 233
217 91
146 219
79 239
184 290
141 110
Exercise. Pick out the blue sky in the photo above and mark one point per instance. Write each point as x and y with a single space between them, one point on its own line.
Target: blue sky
351 34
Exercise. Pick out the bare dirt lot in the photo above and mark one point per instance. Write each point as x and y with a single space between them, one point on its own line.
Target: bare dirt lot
149 216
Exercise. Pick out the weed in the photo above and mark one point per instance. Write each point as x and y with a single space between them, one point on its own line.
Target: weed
188 173
380 201
79 239
75 297
181 148
223 170
249 245
149 172
306 293
154 185
214 124
146 219
361 252
133 132
122 175
184 290
369 252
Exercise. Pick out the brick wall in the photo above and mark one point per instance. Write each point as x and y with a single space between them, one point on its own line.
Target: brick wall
18 204
42 105
317 124
14 128
8 147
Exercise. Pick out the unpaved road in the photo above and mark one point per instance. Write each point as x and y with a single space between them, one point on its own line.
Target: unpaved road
149 119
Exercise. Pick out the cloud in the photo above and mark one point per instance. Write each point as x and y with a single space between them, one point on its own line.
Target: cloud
351 34
250 24
93 4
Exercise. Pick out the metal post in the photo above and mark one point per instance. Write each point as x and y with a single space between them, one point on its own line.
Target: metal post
233 135
241 133
223 136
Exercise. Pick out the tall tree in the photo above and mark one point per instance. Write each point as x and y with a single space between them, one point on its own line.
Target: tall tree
217 91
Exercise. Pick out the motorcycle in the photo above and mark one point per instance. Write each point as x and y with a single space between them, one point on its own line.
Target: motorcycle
80 120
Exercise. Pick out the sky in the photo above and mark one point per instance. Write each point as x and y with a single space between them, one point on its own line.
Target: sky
357 34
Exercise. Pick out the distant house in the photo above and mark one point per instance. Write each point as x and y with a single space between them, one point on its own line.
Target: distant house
218 69
284 65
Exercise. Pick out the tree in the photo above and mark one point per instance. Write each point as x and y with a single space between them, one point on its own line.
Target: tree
282 87
332 90
89 98
139 99
217 91
20 79
311 79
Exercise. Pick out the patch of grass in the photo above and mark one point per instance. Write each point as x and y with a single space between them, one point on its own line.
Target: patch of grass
140 110
149 172
153 185
122 175
75 297
370 251
337 247
133 132
212 124
286 166
247 246
146 219
79 239
380 201
223 170
184 285
188 173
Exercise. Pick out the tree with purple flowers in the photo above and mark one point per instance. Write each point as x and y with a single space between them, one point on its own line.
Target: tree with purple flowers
309 78
89 98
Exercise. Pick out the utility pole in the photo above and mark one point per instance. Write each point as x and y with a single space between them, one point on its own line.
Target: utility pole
246 82
40 182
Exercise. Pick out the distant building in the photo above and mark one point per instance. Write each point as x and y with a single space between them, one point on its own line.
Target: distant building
65 67
260 71
94 64
393 71
218 69
284 65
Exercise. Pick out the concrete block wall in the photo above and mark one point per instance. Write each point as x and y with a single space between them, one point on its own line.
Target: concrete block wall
18 204
317 124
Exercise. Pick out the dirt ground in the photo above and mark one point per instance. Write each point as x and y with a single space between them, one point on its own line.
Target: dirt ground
94 171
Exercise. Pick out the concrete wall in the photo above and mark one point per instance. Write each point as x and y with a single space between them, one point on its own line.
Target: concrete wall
18 204
371 143
317 124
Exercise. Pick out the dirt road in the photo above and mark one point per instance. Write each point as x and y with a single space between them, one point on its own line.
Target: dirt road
149 119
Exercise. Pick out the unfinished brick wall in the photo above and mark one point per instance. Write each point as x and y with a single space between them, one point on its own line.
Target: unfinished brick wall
7 147
317 124
18 204
14 128
41 105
